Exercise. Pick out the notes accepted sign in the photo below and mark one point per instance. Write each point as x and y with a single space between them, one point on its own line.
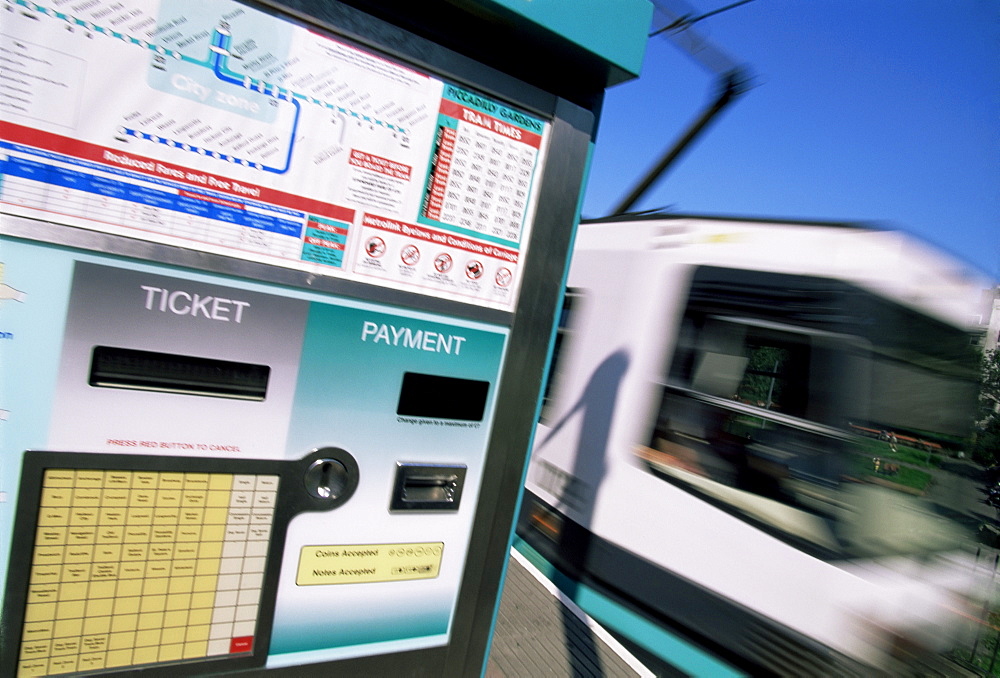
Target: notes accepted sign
367 563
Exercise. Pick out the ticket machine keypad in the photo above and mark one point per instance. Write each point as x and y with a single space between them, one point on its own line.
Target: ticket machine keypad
134 567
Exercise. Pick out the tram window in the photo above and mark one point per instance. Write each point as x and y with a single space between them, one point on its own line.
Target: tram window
765 380
761 367
571 305
776 376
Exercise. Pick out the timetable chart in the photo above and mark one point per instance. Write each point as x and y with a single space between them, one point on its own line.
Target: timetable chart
484 182
485 159
138 568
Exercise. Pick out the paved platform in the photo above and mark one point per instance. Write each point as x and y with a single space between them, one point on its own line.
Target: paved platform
540 632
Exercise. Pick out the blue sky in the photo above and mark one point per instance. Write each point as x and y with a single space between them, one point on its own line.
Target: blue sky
878 111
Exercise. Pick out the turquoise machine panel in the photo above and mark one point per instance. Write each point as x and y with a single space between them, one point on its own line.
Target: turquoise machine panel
336 377
612 30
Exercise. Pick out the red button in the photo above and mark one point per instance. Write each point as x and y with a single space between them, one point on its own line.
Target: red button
243 644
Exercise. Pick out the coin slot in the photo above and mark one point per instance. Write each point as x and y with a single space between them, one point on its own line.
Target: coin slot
326 479
330 476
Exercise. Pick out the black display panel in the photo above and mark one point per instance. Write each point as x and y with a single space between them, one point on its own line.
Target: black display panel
437 397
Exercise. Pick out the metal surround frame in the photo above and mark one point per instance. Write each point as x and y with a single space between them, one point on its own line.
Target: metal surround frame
531 323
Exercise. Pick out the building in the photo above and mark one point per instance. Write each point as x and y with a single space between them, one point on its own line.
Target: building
989 319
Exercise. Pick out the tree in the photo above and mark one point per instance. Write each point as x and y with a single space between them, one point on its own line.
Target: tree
986 444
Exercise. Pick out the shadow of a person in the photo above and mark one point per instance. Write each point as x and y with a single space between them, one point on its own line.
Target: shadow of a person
596 406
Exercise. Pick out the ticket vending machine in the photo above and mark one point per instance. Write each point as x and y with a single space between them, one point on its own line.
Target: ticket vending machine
277 284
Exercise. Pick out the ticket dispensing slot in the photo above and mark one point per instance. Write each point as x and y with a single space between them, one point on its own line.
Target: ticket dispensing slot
113 367
427 487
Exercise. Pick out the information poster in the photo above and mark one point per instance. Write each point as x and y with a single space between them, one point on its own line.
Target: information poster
216 127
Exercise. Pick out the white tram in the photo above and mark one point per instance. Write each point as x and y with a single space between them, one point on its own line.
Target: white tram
702 454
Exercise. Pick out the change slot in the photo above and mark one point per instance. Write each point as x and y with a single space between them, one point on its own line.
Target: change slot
127 368
427 487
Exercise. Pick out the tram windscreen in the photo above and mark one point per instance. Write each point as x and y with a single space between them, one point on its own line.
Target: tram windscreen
799 393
